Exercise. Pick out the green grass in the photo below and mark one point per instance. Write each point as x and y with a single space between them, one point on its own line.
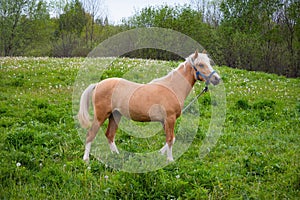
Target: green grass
257 157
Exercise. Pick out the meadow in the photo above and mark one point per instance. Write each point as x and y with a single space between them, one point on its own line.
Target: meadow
256 157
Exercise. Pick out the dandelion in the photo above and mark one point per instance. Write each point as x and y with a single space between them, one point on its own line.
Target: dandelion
106 177
18 164
177 176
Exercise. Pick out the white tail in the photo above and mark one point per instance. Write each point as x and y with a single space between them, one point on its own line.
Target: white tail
83 114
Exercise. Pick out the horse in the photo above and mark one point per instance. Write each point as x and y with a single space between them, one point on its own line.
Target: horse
160 100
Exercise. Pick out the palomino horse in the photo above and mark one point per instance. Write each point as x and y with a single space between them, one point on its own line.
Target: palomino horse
161 100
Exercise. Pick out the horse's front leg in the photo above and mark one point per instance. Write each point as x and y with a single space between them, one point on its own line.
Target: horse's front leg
170 137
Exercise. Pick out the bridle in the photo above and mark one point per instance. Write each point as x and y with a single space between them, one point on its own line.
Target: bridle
206 78
198 73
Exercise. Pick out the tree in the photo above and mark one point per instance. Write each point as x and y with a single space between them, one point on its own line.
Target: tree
38 28
210 10
18 20
180 18
270 25
69 28
289 20
95 10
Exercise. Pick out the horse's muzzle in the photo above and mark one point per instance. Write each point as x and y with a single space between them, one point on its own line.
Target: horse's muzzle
215 80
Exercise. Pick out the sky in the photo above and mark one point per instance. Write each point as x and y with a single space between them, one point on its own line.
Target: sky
118 9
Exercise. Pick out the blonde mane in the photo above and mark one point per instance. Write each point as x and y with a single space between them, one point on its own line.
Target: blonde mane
166 77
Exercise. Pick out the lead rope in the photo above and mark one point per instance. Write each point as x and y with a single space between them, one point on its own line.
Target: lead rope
203 91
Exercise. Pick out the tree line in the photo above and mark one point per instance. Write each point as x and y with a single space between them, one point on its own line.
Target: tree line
52 28
248 34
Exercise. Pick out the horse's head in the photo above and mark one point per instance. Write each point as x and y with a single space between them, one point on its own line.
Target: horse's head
203 69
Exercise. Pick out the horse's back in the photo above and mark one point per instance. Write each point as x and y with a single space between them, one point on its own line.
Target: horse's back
113 85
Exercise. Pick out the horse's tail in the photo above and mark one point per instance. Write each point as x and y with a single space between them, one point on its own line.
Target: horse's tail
83 114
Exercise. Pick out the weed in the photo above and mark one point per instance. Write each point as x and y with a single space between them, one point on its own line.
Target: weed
242 104
264 105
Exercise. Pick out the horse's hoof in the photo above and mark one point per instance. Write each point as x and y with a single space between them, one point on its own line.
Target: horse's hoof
170 159
113 148
115 151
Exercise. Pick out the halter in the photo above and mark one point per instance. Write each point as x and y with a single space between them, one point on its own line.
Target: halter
198 73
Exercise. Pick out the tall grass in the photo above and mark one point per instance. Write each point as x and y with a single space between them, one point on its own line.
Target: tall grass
257 157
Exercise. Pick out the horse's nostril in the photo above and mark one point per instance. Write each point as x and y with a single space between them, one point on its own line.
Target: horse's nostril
216 80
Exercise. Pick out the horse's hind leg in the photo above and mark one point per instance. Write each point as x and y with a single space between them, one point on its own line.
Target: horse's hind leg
114 120
170 138
90 137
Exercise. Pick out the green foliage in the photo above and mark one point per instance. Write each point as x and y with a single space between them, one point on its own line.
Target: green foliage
70 26
257 157
253 35
250 34
261 35
182 19
19 19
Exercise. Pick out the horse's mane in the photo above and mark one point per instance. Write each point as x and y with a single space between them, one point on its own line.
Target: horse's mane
201 57
170 74
167 77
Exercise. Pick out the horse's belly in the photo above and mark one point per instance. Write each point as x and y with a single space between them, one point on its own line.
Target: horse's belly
140 110
155 112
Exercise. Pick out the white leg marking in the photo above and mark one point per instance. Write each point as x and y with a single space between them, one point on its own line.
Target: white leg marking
113 147
169 151
169 154
164 149
87 151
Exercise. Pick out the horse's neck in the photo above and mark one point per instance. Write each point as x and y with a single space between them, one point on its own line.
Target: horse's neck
185 80
180 81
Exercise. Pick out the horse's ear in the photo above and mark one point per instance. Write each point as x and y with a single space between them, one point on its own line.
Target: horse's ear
204 51
196 54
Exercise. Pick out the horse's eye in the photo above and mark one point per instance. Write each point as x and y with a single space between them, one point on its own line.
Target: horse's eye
201 65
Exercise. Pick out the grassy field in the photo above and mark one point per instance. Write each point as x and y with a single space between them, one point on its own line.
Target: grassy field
257 157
